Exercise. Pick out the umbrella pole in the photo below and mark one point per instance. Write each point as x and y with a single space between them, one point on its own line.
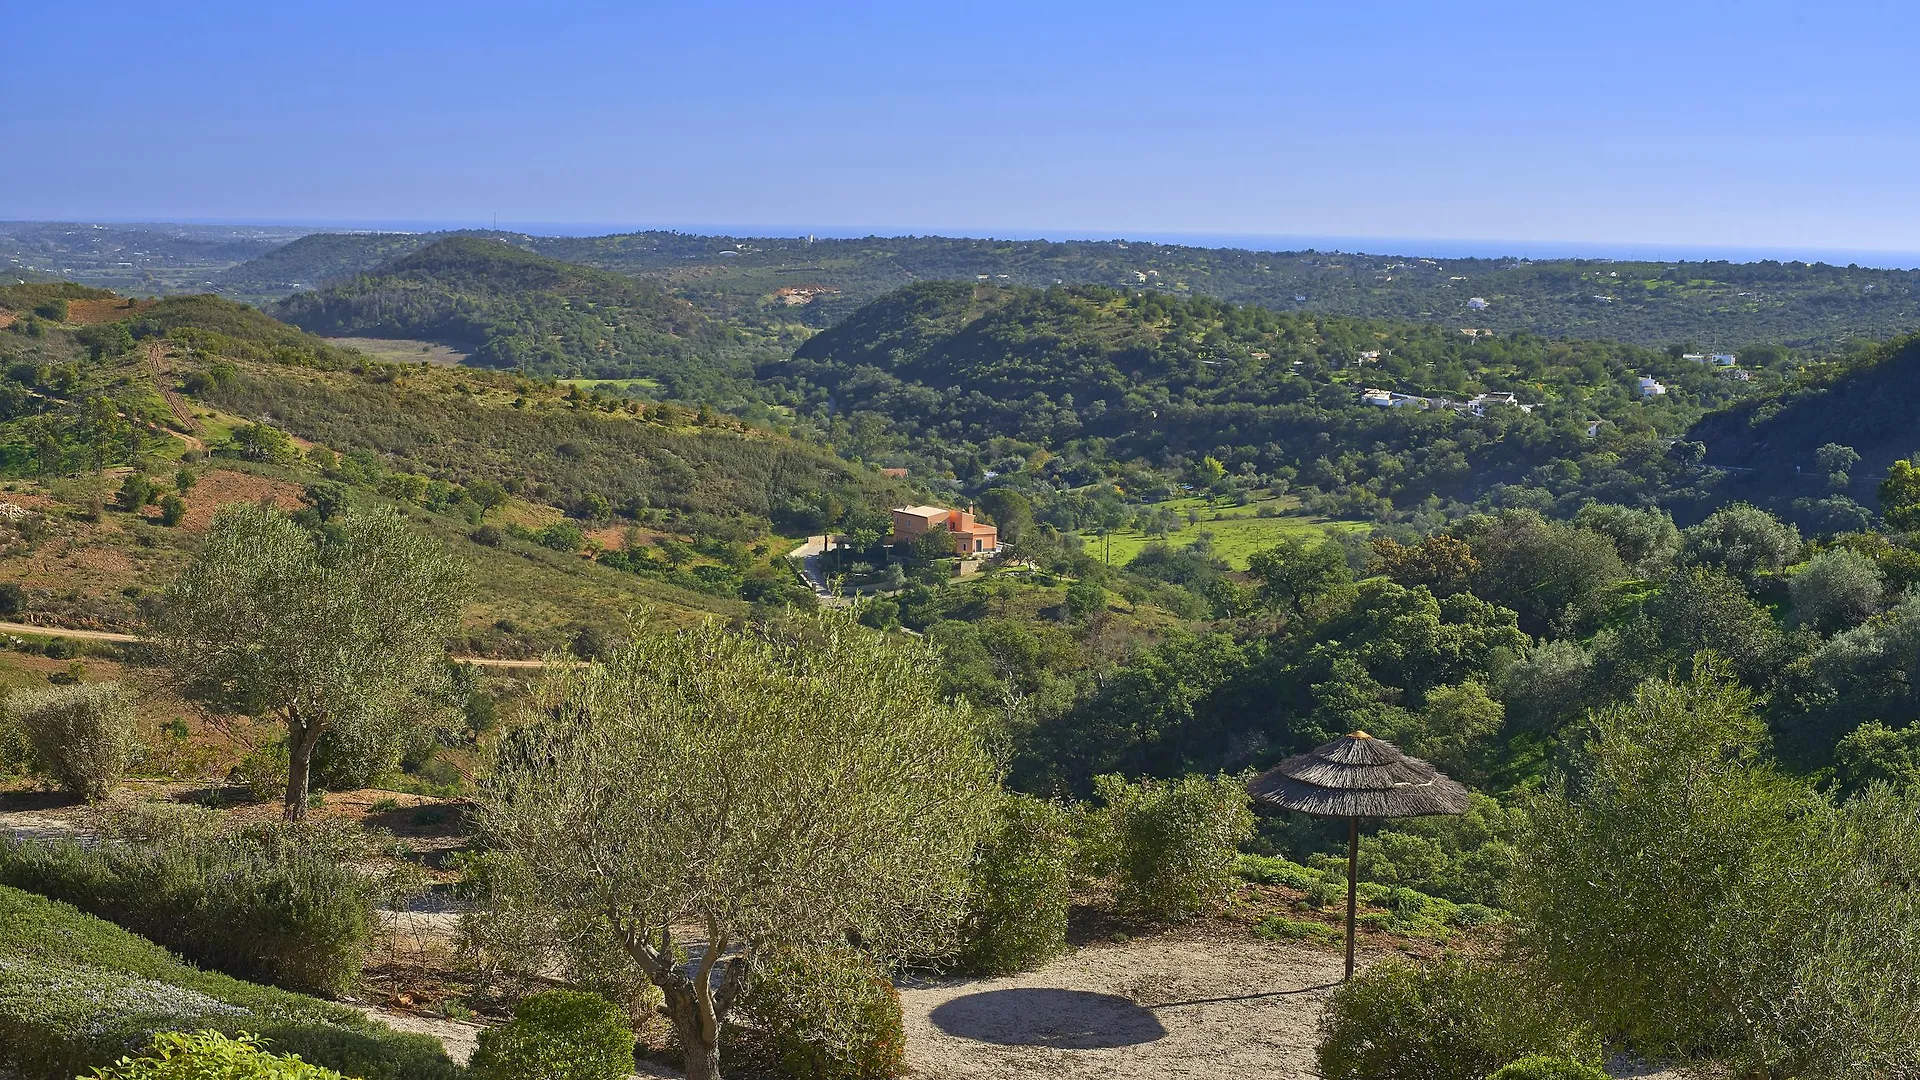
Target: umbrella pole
1353 888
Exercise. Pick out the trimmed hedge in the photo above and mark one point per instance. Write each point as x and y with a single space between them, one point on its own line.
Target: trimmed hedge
274 912
78 993
557 1035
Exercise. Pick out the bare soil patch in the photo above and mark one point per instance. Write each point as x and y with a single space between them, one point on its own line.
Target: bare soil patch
88 312
403 350
222 486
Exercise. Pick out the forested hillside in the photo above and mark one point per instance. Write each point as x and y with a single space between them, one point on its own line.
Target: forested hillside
1866 404
515 310
315 259
967 376
1707 305
124 423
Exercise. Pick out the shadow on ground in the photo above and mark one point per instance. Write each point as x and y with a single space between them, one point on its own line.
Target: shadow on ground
1038 1016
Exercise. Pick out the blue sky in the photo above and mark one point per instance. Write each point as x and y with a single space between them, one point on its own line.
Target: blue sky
1785 127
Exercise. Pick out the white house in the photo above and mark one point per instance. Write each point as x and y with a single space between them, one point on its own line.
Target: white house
1698 358
1477 303
1651 387
1723 359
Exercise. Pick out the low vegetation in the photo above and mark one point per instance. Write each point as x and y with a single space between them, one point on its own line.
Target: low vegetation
289 906
1450 1019
209 1055
81 735
77 993
557 1035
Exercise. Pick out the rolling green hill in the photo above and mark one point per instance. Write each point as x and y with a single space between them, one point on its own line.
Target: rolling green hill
516 310
313 260
1768 443
574 509
1729 306
979 377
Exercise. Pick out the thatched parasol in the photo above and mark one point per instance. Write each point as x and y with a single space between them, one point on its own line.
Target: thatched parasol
1358 776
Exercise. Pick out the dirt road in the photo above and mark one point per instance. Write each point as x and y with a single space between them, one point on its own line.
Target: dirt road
109 635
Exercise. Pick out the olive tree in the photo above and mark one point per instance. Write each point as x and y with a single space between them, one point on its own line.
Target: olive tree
1743 540
1691 898
715 795
1837 589
342 631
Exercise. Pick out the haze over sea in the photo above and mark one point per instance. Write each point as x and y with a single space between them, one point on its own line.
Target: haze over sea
1416 246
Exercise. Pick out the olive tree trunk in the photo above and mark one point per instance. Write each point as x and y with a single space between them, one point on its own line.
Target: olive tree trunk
693 1003
302 737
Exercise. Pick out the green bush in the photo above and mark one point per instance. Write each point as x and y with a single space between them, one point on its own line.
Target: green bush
209 1055
82 734
557 1035
276 903
263 771
1172 844
16 750
1020 889
78 993
1450 1019
829 1014
1542 1067
515 948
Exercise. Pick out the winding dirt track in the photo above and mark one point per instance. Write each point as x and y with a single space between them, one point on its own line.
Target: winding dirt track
109 635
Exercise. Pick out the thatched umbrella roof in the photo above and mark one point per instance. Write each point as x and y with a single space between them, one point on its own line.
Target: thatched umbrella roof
1359 776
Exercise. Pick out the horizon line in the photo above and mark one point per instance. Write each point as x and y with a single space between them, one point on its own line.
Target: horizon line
1418 247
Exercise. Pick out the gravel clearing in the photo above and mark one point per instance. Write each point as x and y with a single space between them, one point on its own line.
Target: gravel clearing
1201 1002
1190 1003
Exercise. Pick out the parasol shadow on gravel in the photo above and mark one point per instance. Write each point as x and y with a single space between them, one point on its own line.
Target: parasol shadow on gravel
1358 776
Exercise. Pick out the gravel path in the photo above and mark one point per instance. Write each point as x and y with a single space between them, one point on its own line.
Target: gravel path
1196 1003
1184 1004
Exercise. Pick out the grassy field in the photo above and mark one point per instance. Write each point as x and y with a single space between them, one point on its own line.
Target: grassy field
614 386
402 350
1238 531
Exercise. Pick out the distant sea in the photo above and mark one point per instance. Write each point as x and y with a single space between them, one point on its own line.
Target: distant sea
1430 247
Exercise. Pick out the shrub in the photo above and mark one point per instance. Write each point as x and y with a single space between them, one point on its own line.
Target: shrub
829 1014
173 510
209 1055
1681 857
1542 1067
135 492
558 1035
265 901
1451 1019
1173 844
77 993
82 735
1020 889
263 771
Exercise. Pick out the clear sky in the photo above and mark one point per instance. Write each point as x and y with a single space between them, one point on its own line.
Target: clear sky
1785 126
